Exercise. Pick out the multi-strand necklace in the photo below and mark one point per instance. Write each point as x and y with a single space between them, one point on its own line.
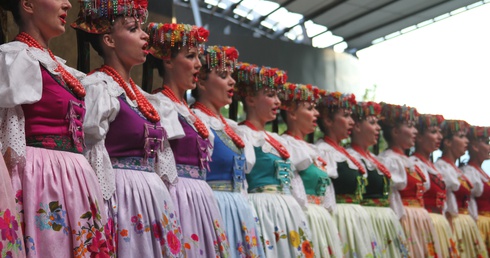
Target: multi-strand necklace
144 106
198 124
283 152
344 151
71 81
234 137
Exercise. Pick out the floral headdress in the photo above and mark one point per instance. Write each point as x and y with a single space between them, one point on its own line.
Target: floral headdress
479 132
166 36
293 93
451 127
428 120
220 57
338 100
97 16
251 78
364 109
393 114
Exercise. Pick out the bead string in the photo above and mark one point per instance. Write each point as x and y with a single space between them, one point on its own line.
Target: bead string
276 144
71 81
458 171
144 106
198 124
234 137
344 151
320 159
370 157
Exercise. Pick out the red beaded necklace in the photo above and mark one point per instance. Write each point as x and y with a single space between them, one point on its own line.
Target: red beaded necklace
198 124
417 169
425 160
144 106
458 171
480 171
234 137
344 151
271 140
71 81
370 157
320 159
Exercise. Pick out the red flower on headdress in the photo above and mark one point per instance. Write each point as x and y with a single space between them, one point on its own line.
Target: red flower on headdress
203 34
231 53
141 4
173 26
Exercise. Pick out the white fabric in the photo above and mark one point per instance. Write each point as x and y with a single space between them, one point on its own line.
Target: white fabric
304 154
102 108
396 164
426 169
332 157
478 181
21 83
452 184
368 164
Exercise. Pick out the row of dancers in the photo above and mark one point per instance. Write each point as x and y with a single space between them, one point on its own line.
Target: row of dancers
93 166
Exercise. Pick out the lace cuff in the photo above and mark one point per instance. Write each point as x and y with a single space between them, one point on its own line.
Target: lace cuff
98 157
165 166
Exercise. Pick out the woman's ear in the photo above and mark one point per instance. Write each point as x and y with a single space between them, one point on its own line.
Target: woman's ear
291 114
357 127
108 40
27 6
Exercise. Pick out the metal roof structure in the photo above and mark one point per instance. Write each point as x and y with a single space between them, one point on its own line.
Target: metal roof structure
350 25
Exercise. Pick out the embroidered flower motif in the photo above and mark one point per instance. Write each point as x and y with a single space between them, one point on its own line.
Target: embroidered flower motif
307 249
51 216
8 226
174 243
294 236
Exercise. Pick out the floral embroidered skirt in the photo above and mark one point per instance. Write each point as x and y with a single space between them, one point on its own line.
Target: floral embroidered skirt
11 239
422 237
483 224
239 224
202 226
392 241
356 231
445 234
142 216
468 237
63 208
324 233
283 225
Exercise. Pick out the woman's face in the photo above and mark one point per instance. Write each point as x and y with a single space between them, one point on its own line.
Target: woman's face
430 140
185 68
218 87
265 103
341 125
129 41
305 117
367 130
457 144
406 134
481 148
49 16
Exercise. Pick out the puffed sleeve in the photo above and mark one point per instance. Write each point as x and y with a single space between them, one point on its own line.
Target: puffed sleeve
248 138
398 180
474 176
300 156
102 109
169 116
325 152
452 185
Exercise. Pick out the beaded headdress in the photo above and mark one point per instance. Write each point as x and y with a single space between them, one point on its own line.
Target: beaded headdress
364 109
97 16
478 132
166 36
251 78
220 57
338 100
392 114
293 93
428 120
451 127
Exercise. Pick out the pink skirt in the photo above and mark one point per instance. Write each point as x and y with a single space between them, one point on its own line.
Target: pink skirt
422 237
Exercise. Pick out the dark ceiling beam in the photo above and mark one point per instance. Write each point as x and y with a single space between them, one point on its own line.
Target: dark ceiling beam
357 17
262 18
310 16
215 8
362 33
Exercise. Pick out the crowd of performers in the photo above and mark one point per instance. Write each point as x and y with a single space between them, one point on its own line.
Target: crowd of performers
93 166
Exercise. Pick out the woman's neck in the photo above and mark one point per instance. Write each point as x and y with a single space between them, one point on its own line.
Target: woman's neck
255 121
178 92
295 131
333 137
207 102
423 153
449 156
361 144
122 70
35 34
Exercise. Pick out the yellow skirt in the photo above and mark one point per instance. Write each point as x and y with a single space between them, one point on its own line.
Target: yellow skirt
483 224
469 241
445 234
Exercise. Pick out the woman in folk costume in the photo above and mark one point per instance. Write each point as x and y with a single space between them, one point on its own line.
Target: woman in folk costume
458 189
428 140
408 181
272 184
365 133
178 47
41 113
299 113
227 168
479 205
131 171
348 176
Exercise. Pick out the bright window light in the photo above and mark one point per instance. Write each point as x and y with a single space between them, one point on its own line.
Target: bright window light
313 29
340 47
325 40
265 7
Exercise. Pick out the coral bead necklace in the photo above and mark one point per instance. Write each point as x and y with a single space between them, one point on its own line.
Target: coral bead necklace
370 157
234 137
342 150
144 106
198 124
71 81
271 140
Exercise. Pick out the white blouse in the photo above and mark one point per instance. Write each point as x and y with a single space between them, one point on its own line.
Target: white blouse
452 184
478 181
